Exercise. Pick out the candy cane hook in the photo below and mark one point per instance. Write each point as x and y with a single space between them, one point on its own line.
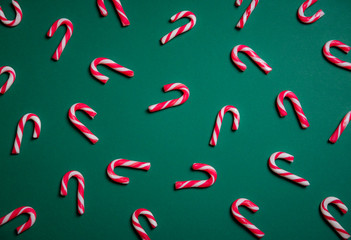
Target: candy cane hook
18 18
65 39
136 224
342 46
343 124
18 211
247 12
81 185
121 14
199 183
124 163
314 17
168 37
10 80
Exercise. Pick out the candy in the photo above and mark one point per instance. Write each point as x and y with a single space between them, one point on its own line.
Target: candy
136 224
119 9
18 18
247 12
65 39
314 17
343 124
124 163
199 183
18 211
335 60
81 185
10 80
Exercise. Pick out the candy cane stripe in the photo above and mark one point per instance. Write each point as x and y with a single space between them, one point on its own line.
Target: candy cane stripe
81 186
247 12
345 48
199 183
15 213
18 18
10 80
65 39
136 224
119 9
314 17
124 163
339 130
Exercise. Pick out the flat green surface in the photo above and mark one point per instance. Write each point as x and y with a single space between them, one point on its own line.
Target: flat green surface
173 139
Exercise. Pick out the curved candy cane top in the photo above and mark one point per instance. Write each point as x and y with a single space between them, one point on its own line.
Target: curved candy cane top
168 37
173 102
124 163
18 18
252 54
65 39
314 17
335 60
199 183
324 210
343 124
119 9
18 211
136 224
10 80
81 186
247 12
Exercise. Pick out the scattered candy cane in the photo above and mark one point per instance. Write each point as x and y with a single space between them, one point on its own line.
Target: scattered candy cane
18 211
251 53
335 60
81 185
314 17
168 37
246 223
10 80
119 9
18 18
199 183
78 124
324 210
343 124
136 224
174 102
124 163
247 12
296 104
65 39
283 173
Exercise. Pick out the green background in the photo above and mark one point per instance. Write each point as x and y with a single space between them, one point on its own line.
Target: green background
173 139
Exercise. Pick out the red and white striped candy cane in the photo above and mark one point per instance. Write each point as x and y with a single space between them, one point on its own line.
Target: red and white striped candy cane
335 60
314 17
136 224
10 80
343 124
18 211
65 39
20 127
283 173
324 210
168 37
78 124
124 163
296 104
247 12
217 128
81 185
241 219
18 18
119 9
111 64
199 183
173 102
251 53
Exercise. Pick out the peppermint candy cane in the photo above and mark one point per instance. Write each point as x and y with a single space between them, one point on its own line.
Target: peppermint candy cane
136 224
81 185
296 104
20 127
314 17
335 60
10 80
324 210
251 53
343 124
173 102
199 183
283 173
18 211
119 9
65 39
78 124
247 12
111 64
168 37
18 18
124 163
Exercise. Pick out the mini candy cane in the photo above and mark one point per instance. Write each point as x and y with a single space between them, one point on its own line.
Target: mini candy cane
20 127
119 8
18 18
168 37
254 208
124 163
78 124
324 210
136 224
65 39
247 12
111 64
344 122
18 211
331 58
81 185
199 183
174 102
10 80
296 104
314 17
283 173
248 51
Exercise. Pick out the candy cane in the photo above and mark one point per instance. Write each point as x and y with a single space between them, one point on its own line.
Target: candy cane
136 224
246 223
20 127
314 17
78 124
296 104
119 9
217 128
10 80
65 39
335 60
283 173
81 185
343 124
174 102
124 163
111 64
18 18
324 210
18 211
199 183
247 12
168 37
251 53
